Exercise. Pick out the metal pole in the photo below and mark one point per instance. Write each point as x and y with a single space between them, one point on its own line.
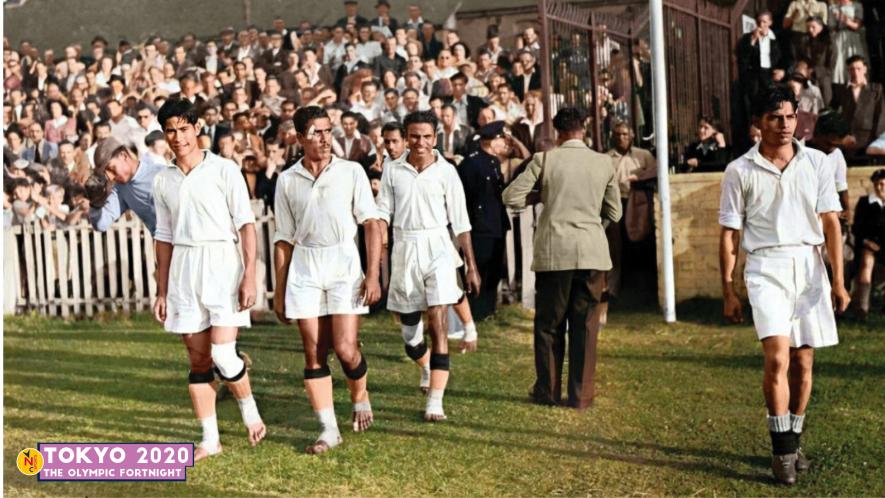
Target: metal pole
546 62
659 67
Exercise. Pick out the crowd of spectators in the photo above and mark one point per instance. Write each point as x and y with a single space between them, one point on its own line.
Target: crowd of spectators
247 84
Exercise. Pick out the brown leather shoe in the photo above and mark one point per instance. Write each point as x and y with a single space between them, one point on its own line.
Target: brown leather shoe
784 468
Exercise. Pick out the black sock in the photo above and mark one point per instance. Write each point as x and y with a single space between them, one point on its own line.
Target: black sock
783 443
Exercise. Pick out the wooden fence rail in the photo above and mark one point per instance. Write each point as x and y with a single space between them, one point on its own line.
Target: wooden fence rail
78 272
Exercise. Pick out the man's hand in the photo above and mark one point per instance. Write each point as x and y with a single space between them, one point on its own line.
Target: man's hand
160 309
732 309
279 309
370 291
720 139
872 246
473 282
247 293
692 163
841 299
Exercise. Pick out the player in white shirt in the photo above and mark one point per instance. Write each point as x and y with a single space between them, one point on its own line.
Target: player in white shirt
319 203
421 196
782 195
204 287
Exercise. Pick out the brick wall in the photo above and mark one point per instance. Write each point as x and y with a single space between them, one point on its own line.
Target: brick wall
694 200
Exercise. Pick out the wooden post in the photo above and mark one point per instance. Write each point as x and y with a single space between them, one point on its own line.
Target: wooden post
113 261
75 266
88 298
100 270
61 243
137 267
123 248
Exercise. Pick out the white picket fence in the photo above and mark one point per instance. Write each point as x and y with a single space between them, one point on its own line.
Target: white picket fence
78 271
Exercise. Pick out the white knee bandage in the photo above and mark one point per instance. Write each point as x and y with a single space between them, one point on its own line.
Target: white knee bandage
413 334
226 359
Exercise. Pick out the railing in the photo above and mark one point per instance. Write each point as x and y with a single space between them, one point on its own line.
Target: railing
78 271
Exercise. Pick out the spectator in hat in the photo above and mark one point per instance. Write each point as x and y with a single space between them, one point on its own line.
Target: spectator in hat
128 181
351 15
492 46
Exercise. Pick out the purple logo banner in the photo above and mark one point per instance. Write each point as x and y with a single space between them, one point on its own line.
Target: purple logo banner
115 461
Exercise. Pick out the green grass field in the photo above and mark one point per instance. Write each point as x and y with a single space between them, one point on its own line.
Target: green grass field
679 412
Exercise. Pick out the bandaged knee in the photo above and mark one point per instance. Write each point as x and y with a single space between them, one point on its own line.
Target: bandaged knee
228 363
413 331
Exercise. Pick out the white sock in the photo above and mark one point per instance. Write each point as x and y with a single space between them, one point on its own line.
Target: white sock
797 421
434 402
329 426
779 423
425 376
210 434
249 411
469 332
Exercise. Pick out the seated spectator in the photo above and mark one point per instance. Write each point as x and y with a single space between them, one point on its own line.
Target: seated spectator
710 152
506 106
869 239
862 104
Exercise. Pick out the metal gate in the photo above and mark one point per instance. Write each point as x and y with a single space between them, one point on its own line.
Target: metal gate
600 62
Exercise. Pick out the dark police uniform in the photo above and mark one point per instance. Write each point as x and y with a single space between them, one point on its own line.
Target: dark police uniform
483 184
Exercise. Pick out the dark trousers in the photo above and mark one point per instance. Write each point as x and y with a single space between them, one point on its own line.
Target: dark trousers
567 302
489 255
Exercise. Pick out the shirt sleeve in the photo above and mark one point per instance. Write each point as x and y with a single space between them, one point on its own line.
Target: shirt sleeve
238 197
364 207
102 218
456 203
731 200
841 171
827 197
283 215
163 232
386 201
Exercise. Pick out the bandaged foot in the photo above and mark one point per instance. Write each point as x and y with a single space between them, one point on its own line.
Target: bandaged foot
434 409
329 437
362 416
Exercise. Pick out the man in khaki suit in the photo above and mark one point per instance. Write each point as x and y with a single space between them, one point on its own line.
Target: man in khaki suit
571 256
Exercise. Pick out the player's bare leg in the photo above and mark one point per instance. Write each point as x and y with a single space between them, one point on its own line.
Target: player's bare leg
232 368
199 350
416 348
439 363
316 336
345 333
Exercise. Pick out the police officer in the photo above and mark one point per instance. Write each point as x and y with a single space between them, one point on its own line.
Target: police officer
483 183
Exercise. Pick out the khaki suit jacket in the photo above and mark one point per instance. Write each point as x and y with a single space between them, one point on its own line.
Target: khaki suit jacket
578 190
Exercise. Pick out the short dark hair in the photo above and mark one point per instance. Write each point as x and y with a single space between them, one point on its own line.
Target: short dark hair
305 115
421 117
569 119
831 123
366 83
710 120
854 58
177 108
391 90
393 126
771 98
458 76
877 175
350 114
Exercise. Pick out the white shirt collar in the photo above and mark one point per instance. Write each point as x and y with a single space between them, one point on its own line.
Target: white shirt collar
755 157
875 199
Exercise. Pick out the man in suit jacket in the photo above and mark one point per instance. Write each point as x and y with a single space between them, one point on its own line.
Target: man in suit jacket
571 256
353 145
351 7
531 80
41 151
468 106
384 23
758 54
213 128
453 137
275 59
861 102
